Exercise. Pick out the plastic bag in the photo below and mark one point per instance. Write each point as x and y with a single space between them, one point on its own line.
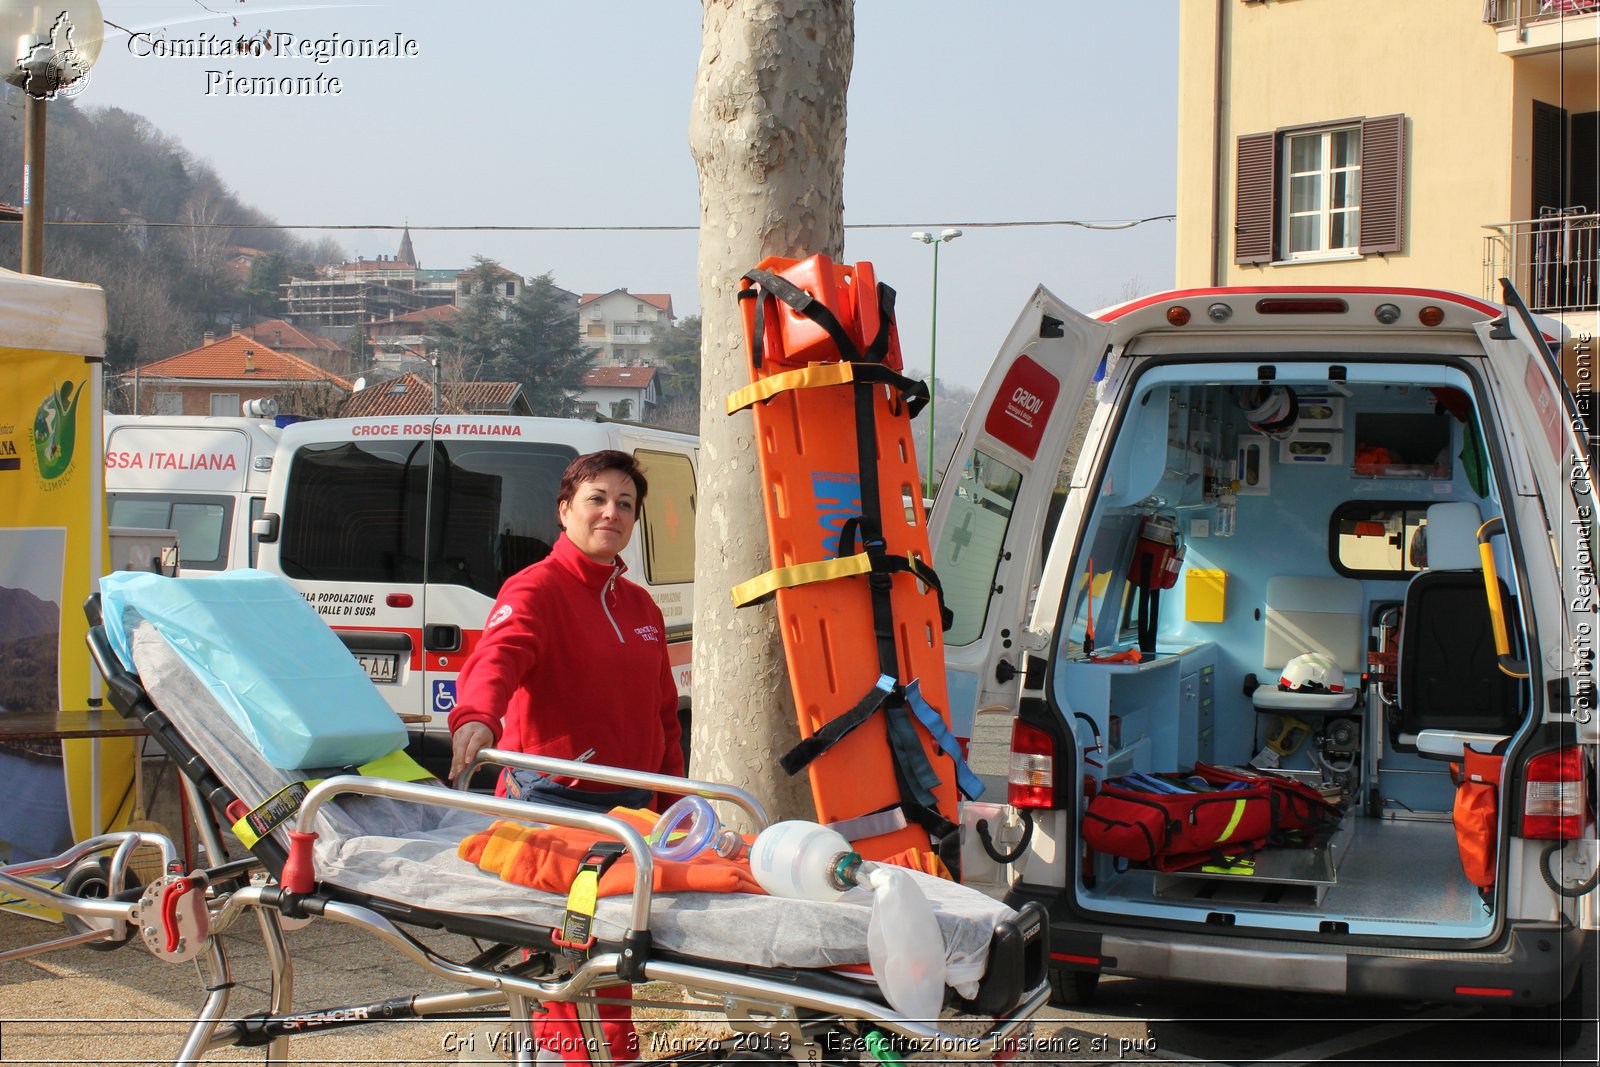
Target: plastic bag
905 946
268 658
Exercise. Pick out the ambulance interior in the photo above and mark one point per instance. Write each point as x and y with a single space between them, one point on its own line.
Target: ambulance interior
1309 512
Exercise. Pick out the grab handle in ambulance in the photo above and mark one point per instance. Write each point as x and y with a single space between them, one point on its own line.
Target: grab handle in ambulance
1497 612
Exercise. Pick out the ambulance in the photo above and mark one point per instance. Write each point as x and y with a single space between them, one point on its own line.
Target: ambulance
400 530
1330 538
204 477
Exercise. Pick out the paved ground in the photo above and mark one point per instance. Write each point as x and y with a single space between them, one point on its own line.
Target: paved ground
126 1007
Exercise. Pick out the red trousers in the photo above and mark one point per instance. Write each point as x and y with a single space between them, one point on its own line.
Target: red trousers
558 1030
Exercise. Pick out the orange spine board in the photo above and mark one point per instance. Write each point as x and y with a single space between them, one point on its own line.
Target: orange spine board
811 472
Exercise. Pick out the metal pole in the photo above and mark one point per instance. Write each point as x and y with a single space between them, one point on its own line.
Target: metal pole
32 185
933 360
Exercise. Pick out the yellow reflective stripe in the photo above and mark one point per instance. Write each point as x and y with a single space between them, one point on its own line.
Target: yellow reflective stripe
273 812
397 766
1233 823
765 585
585 892
807 377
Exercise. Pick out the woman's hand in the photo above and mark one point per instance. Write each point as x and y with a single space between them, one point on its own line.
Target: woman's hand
464 746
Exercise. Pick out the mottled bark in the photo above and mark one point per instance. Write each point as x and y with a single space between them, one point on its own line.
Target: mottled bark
767 133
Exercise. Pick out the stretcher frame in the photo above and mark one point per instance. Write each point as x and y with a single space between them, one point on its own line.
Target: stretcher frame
804 1014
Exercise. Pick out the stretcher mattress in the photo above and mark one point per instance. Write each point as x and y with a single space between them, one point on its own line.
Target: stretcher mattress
405 854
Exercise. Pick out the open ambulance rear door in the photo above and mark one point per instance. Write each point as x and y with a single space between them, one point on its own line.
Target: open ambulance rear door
992 504
1554 498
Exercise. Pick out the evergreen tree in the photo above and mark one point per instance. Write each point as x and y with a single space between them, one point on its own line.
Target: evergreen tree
263 292
541 332
680 358
531 339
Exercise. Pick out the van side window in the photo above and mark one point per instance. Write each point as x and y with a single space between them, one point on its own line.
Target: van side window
1378 539
201 522
353 512
667 524
968 552
494 510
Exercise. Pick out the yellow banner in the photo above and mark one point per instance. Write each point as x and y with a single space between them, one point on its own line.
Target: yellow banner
53 544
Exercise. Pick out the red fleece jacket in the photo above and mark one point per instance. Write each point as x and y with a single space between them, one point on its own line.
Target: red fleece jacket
573 657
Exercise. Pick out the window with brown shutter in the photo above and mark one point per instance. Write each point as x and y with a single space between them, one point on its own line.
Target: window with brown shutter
1333 199
1256 183
1383 181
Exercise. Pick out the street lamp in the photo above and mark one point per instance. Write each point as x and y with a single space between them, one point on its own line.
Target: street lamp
933 333
56 42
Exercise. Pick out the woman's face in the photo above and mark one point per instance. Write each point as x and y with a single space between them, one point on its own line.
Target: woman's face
600 516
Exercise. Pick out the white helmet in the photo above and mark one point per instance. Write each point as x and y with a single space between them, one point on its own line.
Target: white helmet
1312 672
1271 409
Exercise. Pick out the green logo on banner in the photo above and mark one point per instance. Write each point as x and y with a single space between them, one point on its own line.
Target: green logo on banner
55 431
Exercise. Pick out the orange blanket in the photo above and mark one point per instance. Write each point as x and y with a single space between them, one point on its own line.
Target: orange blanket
548 858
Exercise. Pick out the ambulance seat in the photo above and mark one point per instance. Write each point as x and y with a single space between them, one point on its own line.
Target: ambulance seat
1311 614
1450 683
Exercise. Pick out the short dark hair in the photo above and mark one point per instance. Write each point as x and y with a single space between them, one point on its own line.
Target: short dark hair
587 467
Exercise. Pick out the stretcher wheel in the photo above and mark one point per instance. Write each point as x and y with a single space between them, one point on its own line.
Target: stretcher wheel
91 878
1072 987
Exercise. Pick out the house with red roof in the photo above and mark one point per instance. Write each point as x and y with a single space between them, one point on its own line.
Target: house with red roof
219 377
403 342
412 394
631 393
283 336
624 329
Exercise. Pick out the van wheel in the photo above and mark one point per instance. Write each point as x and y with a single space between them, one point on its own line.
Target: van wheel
1072 987
1556 1025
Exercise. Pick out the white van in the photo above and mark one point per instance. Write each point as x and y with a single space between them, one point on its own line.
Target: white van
204 477
400 530
1303 472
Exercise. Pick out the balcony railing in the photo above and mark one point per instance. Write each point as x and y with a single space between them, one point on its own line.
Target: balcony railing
1554 261
1506 14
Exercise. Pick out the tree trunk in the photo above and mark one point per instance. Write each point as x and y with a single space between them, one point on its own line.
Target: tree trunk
767 134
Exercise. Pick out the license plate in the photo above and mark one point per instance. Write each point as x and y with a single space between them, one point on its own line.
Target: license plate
380 666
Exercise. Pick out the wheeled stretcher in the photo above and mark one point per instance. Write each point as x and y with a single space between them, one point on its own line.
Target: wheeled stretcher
384 860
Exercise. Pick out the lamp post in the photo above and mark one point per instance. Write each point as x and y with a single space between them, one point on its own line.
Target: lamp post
933 333
55 44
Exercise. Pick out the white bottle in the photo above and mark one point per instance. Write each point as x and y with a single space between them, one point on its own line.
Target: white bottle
803 860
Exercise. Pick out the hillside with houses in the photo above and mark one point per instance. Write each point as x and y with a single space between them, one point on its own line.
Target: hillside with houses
210 306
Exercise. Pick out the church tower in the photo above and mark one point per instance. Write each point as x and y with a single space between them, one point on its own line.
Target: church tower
406 254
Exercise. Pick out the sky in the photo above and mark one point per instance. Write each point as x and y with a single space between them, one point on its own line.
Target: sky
545 113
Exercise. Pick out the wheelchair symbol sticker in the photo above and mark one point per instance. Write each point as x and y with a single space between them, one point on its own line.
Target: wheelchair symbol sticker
444 697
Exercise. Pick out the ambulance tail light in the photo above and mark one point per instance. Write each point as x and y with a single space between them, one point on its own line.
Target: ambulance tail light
1555 797
1031 782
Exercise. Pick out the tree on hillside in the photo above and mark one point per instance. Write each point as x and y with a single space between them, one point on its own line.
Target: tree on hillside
767 131
469 344
263 289
543 352
531 339
165 285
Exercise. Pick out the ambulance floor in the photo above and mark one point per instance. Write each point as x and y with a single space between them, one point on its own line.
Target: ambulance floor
1390 870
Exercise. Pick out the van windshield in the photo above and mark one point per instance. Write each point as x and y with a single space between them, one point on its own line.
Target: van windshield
493 510
368 511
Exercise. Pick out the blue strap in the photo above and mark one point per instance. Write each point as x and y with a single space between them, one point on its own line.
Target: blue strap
970 784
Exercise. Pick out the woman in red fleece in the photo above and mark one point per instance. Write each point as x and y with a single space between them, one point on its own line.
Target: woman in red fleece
573 664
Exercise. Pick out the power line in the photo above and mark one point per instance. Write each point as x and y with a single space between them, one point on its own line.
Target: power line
1103 224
